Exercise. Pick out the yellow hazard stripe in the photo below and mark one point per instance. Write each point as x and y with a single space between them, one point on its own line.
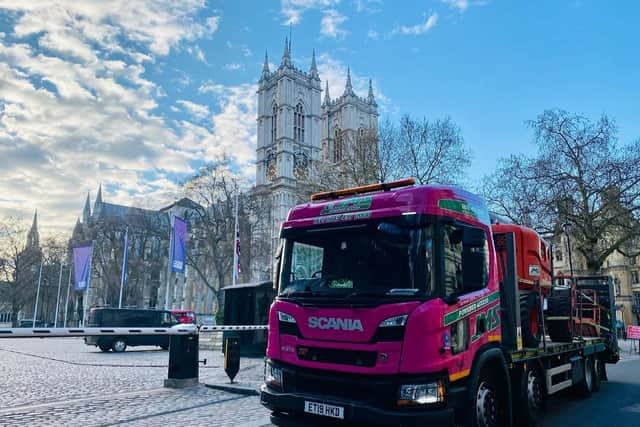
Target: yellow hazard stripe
458 375
493 338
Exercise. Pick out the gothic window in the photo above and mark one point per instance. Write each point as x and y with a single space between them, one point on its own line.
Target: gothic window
271 165
298 123
338 147
300 165
274 123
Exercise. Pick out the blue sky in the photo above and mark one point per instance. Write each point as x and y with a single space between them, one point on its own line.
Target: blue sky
137 95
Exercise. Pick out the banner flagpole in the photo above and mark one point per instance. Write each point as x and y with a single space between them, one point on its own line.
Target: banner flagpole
35 309
166 293
55 318
125 256
66 304
236 242
86 291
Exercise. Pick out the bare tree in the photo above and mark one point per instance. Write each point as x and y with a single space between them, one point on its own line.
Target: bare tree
389 152
579 178
432 152
214 187
19 266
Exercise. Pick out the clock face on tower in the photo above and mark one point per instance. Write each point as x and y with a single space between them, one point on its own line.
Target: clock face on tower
271 166
300 165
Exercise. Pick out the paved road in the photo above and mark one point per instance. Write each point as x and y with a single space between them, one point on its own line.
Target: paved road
47 382
55 382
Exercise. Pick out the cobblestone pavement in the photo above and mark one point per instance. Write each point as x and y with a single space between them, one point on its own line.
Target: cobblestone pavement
51 382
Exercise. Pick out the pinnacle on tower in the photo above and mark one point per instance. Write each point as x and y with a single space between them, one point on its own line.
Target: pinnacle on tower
371 98
286 55
97 205
327 98
314 68
86 212
265 67
348 89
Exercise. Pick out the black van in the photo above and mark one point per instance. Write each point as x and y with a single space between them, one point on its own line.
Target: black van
128 318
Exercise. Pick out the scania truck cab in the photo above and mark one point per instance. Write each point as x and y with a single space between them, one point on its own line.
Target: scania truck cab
390 312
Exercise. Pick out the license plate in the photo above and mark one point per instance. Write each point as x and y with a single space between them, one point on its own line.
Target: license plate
324 410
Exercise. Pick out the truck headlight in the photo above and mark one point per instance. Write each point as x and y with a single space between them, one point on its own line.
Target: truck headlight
421 394
272 375
394 321
284 317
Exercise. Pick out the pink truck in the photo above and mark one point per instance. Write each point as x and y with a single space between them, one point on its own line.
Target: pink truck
397 305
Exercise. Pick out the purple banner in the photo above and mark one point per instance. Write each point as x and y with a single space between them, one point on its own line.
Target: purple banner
81 266
179 244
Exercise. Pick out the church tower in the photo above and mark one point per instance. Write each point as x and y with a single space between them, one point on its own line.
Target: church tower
295 129
33 237
288 129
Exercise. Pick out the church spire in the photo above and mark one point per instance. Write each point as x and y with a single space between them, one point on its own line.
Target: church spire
33 238
97 205
371 98
348 89
86 212
265 67
314 68
286 55
327 98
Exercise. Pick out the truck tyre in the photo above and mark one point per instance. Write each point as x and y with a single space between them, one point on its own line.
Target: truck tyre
531 400
559 306
596 373
601 369
530 319
585 386
104 348
488 409
119 345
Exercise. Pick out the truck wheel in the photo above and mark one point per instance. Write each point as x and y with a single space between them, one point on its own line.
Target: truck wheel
559 306
118 345
532 399
104 348
488 407
601 369
530 319
596 374
585 386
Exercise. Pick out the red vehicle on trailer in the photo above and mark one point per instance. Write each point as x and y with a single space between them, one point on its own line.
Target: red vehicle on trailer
400 305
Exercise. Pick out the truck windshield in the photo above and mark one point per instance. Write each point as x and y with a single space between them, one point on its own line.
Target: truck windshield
367 260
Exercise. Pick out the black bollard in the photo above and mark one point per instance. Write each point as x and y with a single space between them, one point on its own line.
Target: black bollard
183 361
231 356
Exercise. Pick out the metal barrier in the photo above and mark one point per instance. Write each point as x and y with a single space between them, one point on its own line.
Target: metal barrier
183 344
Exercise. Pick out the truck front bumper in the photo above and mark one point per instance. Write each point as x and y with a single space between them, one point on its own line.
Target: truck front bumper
288 410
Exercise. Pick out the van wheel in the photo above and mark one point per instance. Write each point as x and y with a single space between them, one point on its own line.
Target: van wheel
488 406
585 386
119 345
104 348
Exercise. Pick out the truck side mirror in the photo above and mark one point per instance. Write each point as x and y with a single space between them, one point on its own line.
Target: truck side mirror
275 269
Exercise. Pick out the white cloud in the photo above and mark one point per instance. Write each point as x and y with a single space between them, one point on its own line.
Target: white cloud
294 9
462 5
246 51
78 107
418 29
197 53
373 35
198 110
368 6
233 67
330 24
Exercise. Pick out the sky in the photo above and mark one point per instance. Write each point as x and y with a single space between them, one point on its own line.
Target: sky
137 95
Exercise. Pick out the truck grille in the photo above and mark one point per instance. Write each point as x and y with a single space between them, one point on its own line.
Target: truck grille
341 357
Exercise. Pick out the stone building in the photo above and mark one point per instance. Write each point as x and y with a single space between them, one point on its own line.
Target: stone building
148 231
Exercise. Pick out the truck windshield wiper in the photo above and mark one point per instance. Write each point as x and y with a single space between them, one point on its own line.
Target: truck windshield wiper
357 294
306 293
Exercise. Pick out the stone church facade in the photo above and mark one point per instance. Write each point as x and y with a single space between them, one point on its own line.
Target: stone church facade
298 127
